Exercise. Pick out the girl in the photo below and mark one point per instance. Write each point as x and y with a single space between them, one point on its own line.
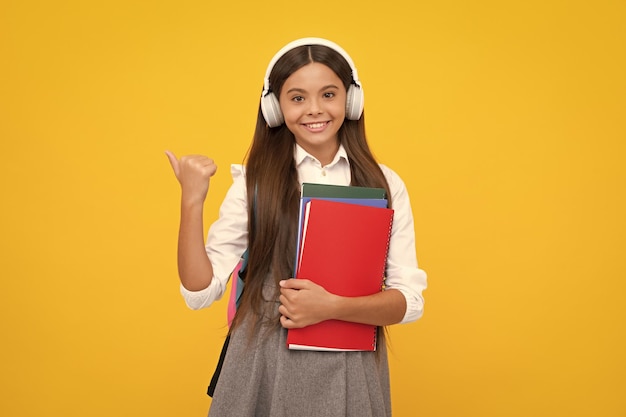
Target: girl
310 128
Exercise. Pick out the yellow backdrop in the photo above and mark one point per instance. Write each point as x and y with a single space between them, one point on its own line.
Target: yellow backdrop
505 119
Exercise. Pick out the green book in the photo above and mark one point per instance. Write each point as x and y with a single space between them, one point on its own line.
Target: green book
341 191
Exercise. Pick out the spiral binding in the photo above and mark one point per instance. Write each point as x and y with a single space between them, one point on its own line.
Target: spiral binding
382 285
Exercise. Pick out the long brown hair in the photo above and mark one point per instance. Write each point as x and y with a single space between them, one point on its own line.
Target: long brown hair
273 187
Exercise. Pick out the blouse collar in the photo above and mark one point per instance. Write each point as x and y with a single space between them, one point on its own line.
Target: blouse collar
300 155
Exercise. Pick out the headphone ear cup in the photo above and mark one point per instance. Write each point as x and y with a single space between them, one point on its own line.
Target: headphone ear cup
271 110
354 102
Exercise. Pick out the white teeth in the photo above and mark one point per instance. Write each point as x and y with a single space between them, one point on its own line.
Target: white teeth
315 125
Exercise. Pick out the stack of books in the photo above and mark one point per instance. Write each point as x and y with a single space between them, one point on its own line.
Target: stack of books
343 241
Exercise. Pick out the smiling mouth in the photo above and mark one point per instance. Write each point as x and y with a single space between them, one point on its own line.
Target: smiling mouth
317 125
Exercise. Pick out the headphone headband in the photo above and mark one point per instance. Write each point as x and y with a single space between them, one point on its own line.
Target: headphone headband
305 42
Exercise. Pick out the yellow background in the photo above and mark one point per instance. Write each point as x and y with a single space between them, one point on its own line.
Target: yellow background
505 119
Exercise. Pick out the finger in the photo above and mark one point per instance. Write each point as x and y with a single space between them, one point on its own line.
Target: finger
283 298
199 162
294 284
173 162
283 310
286 322
210 165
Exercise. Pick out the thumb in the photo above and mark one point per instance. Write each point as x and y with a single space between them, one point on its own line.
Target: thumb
173 162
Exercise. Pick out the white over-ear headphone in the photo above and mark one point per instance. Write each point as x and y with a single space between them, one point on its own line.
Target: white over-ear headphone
269 102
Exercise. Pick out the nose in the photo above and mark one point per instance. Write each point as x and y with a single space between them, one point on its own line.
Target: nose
315 107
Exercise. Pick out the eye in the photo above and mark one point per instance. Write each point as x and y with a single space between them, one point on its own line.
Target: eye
297 99
329 95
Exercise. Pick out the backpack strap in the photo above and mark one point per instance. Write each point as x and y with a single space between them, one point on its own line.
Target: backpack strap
237 277
237 287
236 290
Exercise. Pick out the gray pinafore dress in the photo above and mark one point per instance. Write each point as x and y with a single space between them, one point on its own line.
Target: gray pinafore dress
265 379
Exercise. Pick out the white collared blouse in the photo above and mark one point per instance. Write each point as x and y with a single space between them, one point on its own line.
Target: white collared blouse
228 235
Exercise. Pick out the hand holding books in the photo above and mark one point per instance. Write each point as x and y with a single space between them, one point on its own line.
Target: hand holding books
303 303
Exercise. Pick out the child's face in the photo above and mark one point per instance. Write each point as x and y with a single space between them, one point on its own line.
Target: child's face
313 102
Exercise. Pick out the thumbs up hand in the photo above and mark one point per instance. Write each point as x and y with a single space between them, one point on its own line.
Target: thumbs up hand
194 173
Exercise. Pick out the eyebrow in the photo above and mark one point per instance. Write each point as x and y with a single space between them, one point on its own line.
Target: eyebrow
301 90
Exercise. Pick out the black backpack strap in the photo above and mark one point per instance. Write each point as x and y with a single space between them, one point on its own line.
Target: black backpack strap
218 368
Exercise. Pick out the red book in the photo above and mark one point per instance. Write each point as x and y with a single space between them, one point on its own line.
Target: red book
344 249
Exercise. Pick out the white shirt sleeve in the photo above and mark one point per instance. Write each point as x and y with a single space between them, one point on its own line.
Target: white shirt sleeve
226 242
402 271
